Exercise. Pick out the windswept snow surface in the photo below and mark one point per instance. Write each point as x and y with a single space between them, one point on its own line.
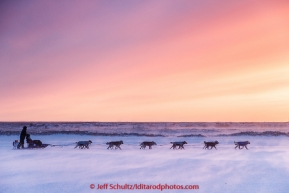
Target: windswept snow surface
262 168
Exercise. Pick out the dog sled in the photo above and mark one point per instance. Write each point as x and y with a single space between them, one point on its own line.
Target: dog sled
37 144
31 144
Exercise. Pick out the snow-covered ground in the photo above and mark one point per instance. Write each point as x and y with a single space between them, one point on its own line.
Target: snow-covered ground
262 168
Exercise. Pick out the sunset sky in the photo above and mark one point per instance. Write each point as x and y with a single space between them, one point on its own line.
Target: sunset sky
144 60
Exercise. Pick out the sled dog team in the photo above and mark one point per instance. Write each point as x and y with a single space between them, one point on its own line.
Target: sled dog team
180 145
113 144
143 145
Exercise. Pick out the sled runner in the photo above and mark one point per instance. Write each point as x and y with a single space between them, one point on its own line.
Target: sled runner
36 144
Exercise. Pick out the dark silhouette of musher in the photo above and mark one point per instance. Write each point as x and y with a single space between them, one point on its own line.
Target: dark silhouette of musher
22 137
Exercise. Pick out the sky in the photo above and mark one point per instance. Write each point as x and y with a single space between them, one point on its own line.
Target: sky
166 60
